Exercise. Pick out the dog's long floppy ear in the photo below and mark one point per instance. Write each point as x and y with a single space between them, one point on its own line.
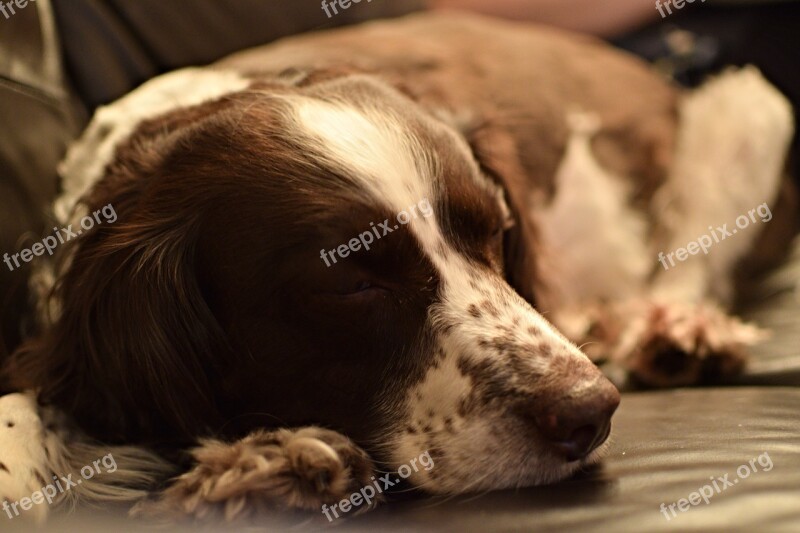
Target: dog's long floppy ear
496 152
133 346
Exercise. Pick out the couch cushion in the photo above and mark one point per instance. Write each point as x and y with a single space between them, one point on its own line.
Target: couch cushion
774 303
37 121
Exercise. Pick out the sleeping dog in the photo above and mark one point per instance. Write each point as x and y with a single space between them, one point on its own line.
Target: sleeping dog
555 169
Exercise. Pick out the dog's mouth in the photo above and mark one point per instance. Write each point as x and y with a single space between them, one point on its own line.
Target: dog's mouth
496 450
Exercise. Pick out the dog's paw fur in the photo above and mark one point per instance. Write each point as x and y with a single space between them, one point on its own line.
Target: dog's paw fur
669 344
39 447
23 453
280 470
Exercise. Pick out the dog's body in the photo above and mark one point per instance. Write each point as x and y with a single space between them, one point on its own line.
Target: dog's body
556 169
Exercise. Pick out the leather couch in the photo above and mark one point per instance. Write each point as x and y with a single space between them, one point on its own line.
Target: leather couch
58 62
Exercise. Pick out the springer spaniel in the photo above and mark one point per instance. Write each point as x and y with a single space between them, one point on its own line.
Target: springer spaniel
554 171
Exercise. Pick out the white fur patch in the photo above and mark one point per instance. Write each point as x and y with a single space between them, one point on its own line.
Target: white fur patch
373 147
22 454
732 144
594 239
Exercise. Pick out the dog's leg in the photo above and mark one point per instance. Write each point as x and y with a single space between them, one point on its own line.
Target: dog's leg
734 137
732 143
277 470
732 146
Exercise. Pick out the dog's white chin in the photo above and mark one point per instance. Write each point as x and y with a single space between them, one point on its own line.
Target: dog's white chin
501 465
546 474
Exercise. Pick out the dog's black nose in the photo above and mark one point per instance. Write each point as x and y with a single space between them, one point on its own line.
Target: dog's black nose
577 420
583 440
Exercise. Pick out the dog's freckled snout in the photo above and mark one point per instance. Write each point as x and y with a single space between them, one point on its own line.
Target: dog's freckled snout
576 421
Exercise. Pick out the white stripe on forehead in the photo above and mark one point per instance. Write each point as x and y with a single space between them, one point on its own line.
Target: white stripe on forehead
384 156
376 149
372 148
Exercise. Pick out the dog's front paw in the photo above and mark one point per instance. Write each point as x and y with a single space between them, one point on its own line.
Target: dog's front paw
277 470
675 344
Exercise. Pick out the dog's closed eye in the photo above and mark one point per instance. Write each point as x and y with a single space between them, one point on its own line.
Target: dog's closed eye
360 288
352 284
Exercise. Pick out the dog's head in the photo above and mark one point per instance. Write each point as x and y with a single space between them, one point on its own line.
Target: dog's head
328 254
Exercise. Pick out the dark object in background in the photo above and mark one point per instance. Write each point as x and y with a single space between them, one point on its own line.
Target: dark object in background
112 46
694 43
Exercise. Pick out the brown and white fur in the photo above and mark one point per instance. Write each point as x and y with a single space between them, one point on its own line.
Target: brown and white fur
557 169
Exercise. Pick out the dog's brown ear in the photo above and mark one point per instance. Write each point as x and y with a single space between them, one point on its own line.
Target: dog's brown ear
132 347
496 152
